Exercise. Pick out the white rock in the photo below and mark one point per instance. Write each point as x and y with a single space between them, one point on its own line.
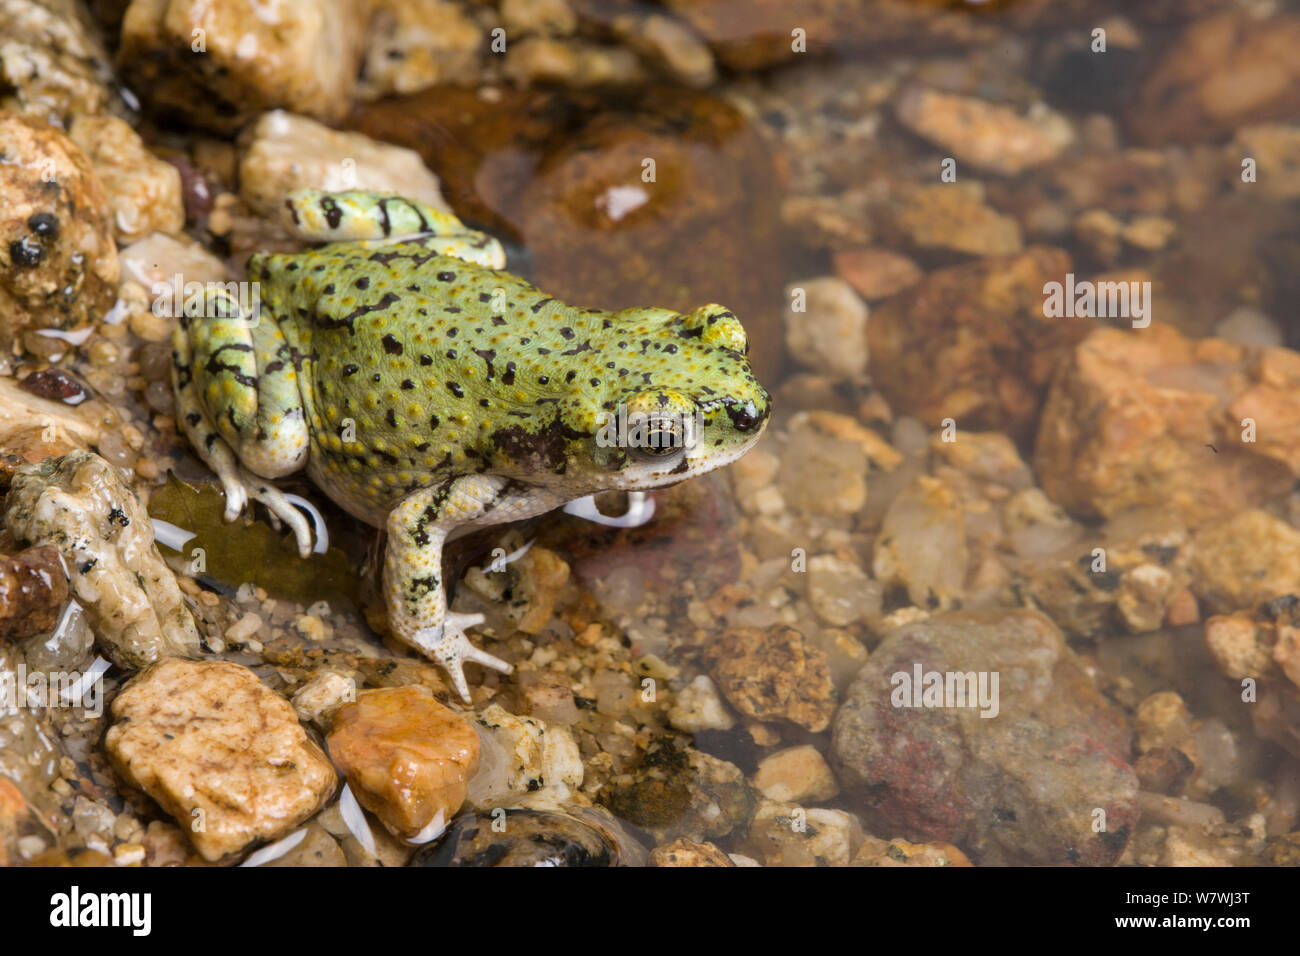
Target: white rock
700 707
795 775
922 544
520 755
289 152
831 335
1249 326
840 591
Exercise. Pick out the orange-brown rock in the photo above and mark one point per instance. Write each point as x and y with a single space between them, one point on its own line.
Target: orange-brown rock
684 852
774 674
1149 418
1263 645
407 757
876 273
33 587
1224 72
972 343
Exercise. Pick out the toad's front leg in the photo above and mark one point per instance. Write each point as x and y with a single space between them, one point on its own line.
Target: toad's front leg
237 400
413 585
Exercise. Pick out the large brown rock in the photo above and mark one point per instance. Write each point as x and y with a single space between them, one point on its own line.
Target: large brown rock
1022 784
971 342
989 136
1150 418
218 63
1224 72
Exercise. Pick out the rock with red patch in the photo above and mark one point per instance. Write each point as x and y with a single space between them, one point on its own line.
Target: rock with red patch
1022 787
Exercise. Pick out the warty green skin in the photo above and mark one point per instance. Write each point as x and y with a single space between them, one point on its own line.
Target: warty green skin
428 392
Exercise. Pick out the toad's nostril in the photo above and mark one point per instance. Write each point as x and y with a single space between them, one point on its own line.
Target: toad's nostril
744 417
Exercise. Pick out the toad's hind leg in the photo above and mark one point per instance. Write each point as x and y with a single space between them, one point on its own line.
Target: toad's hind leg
413 585
374 220
237 401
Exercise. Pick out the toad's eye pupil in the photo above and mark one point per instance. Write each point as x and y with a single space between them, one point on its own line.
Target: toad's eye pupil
662 439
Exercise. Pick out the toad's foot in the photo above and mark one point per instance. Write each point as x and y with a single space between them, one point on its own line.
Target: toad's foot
417 527
447 644
240 485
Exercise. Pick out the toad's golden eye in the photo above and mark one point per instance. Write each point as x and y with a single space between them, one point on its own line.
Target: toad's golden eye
660 436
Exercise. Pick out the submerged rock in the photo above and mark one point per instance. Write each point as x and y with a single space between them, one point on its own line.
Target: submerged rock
1260 650
581 836
971 342
876 273
948 217
520 755
796 775
1129 577
1223 72
988 136
784 834
1019 775
922 544
830 334
1148 418
1246 560
754 34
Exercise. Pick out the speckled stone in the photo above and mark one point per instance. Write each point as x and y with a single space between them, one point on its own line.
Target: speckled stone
220 751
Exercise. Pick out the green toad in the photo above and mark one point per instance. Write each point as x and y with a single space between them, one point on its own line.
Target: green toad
427 392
